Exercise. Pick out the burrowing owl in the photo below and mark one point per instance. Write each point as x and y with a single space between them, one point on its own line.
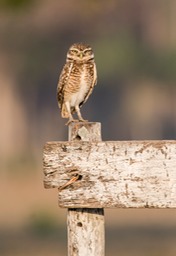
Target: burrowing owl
77 80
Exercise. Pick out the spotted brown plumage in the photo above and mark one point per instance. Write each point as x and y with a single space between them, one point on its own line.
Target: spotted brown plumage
77 80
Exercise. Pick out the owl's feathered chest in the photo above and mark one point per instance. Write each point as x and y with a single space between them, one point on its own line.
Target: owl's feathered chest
79 82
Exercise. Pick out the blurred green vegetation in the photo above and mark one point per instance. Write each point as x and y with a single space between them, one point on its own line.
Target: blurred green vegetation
124 55
42 223
14 5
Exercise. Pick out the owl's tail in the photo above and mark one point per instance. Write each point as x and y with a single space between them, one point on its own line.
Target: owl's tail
64 112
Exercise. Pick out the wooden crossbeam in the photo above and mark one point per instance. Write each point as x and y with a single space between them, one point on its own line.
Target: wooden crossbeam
112 174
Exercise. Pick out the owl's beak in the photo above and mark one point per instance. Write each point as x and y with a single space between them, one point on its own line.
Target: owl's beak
81 55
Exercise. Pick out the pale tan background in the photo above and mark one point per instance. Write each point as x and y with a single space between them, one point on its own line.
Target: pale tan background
135 50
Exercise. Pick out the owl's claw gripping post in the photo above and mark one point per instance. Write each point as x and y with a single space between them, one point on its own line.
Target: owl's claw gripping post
75 121
71 121
83 120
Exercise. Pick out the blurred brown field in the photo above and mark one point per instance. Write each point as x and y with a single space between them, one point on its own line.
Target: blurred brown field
135 51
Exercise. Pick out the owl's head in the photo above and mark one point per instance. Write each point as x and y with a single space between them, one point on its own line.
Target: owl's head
80 52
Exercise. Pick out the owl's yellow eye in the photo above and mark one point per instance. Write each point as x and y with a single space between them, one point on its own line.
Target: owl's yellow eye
74 51
87 52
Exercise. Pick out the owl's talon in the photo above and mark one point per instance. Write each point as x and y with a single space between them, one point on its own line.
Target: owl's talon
83 120
72 121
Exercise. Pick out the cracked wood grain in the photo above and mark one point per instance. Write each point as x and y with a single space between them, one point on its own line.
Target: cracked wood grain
86 235
125 174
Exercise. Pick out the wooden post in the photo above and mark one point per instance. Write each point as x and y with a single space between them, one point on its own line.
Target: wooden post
85 226
92 174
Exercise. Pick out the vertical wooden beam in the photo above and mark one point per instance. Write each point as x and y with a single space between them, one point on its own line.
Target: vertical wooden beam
86 234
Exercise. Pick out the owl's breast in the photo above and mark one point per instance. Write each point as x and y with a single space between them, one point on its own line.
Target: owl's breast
83 83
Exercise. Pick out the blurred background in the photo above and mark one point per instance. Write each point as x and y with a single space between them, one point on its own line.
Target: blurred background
135 50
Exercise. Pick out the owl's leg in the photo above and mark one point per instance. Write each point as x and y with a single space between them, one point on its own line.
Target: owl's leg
70 120
79 114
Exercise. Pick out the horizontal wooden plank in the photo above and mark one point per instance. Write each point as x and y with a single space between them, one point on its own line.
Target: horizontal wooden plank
112 174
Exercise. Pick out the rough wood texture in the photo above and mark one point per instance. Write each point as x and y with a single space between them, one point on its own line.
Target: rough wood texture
113 174
84 132
85 232
86 235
